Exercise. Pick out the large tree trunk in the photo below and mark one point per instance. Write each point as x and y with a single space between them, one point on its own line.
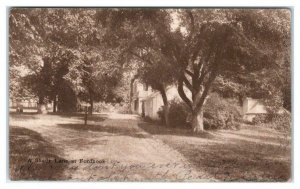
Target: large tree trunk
199 90
197 122
166 115
166 106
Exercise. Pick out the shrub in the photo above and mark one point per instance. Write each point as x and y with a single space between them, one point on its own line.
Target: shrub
280 122
160 113
178 114
220 113
103 107
122 108
261 118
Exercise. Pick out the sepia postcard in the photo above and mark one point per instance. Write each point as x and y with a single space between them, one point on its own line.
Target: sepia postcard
150 94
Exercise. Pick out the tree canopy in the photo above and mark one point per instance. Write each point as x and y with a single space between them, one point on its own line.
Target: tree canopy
59 48
236 52
236 45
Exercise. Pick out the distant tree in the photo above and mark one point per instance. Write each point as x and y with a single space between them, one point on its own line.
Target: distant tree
58 40
34 31
99 78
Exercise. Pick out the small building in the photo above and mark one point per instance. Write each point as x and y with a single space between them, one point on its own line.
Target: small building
154 101
139 94
147 102
252 107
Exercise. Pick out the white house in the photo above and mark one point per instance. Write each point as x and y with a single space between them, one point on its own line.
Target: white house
147 102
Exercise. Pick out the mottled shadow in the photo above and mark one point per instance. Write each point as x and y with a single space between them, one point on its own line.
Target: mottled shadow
80 116
113 130
163 130
25 148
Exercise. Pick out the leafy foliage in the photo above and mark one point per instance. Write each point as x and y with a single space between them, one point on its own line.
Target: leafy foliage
220 113
65 52
276 121
178 114
236 52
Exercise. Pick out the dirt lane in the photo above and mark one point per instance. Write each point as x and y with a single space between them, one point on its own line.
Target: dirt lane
111 147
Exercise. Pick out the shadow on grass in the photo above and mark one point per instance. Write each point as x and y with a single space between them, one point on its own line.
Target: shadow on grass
23 113
80 116
229 159
25 146
113 130
23 116
239 162
162 130
267 138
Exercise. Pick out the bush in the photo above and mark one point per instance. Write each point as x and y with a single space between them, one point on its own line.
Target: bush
160 114
103 107
261 118
178 114
220 113
122 108
280 122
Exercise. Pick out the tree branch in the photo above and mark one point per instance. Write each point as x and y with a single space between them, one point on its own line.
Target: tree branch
207 86
191 16
140 57
203 73
197 49
187 83
183 95
202 76
189 73
212 77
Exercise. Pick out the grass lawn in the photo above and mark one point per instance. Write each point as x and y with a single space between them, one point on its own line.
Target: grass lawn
250 154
